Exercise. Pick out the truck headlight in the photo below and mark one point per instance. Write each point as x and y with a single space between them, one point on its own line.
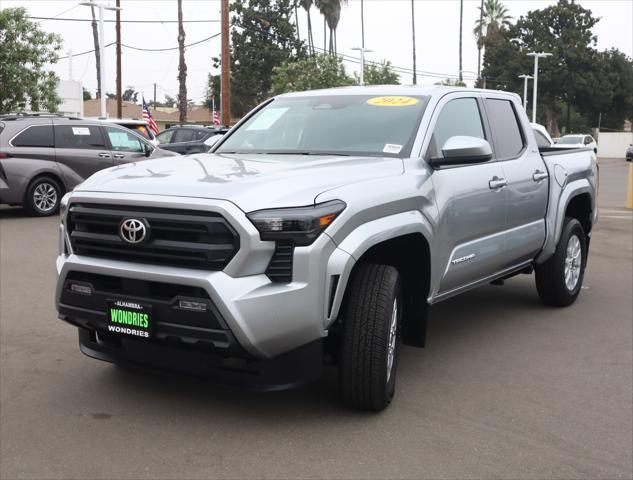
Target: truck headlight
300 225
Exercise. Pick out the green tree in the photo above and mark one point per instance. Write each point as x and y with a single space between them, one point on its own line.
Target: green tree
212 92
571 78
379 74
87 95
331 11
129 95
263 37
25 50
494 18
451 82
612 101
307 6
320 71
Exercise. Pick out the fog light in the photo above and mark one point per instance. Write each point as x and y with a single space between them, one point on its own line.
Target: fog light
193 306
80 289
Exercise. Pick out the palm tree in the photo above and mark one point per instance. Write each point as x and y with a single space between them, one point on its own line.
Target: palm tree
307 5
331 11
493 18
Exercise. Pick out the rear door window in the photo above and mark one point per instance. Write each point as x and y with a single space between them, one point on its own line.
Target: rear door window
506 133
184 135
35 136
200 134
86 137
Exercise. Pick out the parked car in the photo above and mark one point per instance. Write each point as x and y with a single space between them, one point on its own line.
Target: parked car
586 141
44 156
318 231
543 139
186 139
139 126
629 153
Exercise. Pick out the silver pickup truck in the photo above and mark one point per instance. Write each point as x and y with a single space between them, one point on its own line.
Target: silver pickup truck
317 232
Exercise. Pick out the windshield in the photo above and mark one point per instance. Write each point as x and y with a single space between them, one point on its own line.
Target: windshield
570 140
334 125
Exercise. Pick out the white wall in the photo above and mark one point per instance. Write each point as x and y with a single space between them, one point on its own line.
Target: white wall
613 144
71 93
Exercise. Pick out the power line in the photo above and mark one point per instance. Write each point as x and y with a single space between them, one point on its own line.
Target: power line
55 17
198 42
122 21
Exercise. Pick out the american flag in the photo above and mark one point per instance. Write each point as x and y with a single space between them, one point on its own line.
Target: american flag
147 116
216 116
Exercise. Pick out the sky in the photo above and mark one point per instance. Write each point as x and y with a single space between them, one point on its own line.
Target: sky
387 34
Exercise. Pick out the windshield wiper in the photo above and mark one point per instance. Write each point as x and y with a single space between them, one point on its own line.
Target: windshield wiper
337 154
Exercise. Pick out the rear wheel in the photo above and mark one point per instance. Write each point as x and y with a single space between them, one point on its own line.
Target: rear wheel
559 279
371 338
43 197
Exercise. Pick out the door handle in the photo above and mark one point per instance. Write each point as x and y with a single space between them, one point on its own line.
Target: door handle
104 155
118 155
537 176
496 183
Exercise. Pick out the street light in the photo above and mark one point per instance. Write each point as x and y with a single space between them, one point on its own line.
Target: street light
536 57
362 51
525 82
101 8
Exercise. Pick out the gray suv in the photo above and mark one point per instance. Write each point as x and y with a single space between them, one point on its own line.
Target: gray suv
43 156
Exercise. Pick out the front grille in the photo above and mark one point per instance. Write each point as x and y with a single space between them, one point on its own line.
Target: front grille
181 238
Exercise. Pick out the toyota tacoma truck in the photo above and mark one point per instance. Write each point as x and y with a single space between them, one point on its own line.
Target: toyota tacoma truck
317 232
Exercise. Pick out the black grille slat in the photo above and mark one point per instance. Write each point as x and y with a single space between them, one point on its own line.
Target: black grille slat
280 266
185 238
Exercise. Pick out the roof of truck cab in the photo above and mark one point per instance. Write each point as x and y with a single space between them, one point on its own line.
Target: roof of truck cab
422 90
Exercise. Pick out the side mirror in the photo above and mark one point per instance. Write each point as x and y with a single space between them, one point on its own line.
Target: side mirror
461 150
147 150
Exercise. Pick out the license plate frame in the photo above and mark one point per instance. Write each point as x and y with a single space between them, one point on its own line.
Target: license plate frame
129 318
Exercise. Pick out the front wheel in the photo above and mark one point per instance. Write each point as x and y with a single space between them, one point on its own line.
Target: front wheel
559 279
371 337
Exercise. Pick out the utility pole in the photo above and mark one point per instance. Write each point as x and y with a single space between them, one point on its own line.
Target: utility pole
461 19
525 85
101 79
182 68
536 57
363 51
119 100
225 66
70 64
154 96
415 78
480 40
362 24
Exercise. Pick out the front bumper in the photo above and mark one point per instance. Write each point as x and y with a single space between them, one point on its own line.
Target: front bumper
261 318
299 366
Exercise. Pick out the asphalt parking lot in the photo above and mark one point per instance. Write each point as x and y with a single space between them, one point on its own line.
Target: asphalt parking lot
506 388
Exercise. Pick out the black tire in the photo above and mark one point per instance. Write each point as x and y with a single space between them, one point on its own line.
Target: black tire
366 382
550 276
33 200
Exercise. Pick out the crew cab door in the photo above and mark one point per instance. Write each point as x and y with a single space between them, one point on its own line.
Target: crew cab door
471 199
527 179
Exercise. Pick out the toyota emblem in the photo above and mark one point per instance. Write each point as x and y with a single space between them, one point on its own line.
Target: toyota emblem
133 230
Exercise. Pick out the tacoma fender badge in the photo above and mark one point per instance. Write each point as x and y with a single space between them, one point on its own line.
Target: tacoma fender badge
466 258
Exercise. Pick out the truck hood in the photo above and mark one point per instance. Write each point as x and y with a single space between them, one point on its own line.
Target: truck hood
252 182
